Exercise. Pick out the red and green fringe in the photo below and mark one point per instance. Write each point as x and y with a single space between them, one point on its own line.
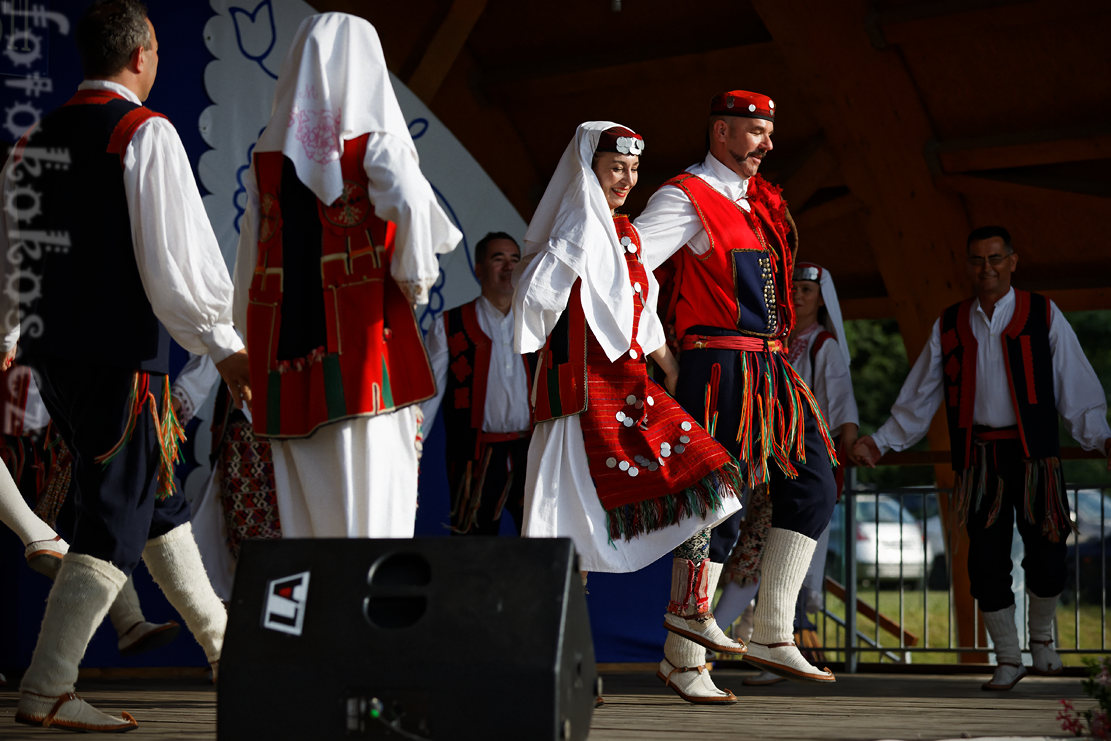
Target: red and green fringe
698 500
767 429
167 429
971 487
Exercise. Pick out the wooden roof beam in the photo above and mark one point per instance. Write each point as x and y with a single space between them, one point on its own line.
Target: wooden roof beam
815 170
922 22
1022 150
1036 195
444 48
522 83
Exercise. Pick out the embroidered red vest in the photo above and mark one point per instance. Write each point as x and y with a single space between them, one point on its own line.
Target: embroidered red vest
743 281
1029 363
330 335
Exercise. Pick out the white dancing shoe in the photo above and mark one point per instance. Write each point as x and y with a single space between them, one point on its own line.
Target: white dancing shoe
1005 677
1041 616
786 558
45 556
144 636
70 712
1008 657
703 630
787 661
683 670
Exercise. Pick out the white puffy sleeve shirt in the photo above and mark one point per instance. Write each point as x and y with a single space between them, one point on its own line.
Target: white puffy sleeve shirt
1081 401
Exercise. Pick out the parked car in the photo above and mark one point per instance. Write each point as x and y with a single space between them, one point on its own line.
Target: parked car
889 542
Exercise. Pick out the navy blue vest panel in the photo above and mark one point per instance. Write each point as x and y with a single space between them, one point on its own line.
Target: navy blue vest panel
83 302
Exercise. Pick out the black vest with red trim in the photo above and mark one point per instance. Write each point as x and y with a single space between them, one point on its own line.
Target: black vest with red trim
82 298
469 352
743 281
1029 364
330 335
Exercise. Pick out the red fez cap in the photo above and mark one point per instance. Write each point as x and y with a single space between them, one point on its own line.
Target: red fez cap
621 140
743 103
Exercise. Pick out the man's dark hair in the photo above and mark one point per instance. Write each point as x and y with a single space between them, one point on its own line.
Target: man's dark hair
987 232
480 247
108 33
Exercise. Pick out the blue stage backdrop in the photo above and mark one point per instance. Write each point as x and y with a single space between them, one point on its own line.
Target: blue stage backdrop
39 70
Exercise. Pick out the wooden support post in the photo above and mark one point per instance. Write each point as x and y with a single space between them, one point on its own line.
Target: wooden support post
878 129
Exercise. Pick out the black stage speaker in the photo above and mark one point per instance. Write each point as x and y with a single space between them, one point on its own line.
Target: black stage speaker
429 638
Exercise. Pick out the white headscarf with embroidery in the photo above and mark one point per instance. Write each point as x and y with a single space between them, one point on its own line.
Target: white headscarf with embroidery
333 86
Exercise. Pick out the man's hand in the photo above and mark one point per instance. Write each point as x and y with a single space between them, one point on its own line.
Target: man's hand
235 372
9 358
865 452
846 438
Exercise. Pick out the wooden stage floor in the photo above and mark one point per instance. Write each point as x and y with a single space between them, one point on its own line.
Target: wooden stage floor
638 706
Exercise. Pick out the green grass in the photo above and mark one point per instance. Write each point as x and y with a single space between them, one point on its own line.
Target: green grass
1080 632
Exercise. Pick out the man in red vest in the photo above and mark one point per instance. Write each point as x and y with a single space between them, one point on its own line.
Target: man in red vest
733 243
486 385
1005 363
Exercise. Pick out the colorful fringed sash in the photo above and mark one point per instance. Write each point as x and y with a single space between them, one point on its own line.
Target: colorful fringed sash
1041 475
773 416
167 429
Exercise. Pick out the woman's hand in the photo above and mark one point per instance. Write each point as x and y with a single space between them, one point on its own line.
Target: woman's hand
666 362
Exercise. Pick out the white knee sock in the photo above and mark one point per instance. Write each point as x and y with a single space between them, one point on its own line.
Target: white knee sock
786 558
78 601
175 563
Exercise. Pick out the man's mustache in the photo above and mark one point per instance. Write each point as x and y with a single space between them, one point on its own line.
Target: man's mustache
761 153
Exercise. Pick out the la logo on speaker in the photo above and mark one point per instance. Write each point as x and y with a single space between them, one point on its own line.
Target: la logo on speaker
284 610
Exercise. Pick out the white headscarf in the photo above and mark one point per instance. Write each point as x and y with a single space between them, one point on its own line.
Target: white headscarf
574 224
832 321
333 86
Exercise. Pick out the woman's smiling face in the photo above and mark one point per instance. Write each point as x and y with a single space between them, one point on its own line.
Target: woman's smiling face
617 174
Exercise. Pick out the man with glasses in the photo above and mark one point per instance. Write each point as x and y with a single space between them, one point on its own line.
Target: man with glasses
1005 362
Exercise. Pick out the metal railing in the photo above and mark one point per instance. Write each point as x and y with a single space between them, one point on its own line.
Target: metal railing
889 553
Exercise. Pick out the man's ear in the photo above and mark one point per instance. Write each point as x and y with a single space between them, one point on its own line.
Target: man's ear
720 129
137 62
